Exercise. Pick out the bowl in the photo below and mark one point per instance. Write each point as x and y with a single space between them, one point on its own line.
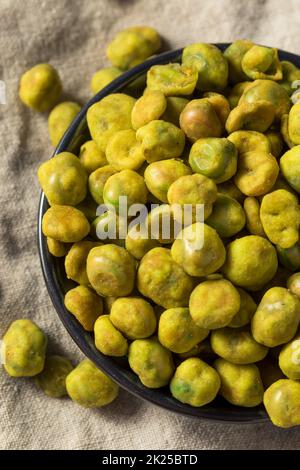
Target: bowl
57 283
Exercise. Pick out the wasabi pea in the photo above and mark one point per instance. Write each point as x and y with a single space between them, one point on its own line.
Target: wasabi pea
261 62
147 108
57 248
293 284
108 339
91 157
85 305
234 55
282 402
276 142
134 317
172 79
220 104
124 152
138 243
256 116
65 224
252 212
60 119
290 167
199 120
52 380
236 92
75 261
104 77
228 217
289 359
247 309
248 141
126 183
97 180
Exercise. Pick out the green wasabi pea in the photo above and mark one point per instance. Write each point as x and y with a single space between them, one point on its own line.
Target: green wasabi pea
262 62
57 248
234 55
132 46
97 180
52 380
91 157
65 224
247 309
109 115
293 284
210 63
160 175
90 387
126 183
289 359
147 108
277 317
256 116
237 345
60 119
270 91
160 140
199 250
241 384
151 362
23 349
111 270
103 77
228 217
252 212
172 79
195 382
236 92
162 280
178 332
75 261
85 305
214 303
282 402
251 262
290 167
193 190
280 218
40 87
134 317
108 339
215 158
199 119
175 105
63 179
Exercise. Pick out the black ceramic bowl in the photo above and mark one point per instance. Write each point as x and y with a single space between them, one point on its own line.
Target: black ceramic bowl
57 284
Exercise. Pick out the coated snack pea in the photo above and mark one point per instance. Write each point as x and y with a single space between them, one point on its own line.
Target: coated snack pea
147 108
63 179
138 243
109 115
151 362
220 104
91 157
172 79
90 387
162 280
277 317
252 212
248 141
256 116
241 384
23 349
40 87
65 224
199 119
215 158
280 217
75 261
60 119
237 345
126 183
52 380
97 180
134 317
195 382
228 217
251 262
236 92
124 152
57 248
290 167
178 332
289 359
282 402
234 55
262 62
214 303
85 305
199 250
293 124
111 270
103 77
132 46
108 339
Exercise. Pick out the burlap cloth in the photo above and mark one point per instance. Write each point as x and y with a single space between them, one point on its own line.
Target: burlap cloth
72 35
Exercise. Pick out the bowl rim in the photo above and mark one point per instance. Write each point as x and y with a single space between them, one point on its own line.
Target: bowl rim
113 369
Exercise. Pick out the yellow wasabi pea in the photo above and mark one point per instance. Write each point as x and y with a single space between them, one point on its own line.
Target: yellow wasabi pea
294 123
23 349
60 119
195 382
178 332
63 179
277 317
90 387
199 119
256 116
252 212
172 79
134 317
138 243
91 157
237 345
262 62
220 104
290 167
103 77
236 92
124 152
162 280
282 402
280 217
52 380
251 262
97 180
241 384
57 248
126 183
289 359
234 55
227 217
147 108
151 362
85 305
75 261
65 224
40 87
214 303
108 339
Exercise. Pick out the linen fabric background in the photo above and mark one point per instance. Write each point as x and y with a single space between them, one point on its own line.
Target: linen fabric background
72 35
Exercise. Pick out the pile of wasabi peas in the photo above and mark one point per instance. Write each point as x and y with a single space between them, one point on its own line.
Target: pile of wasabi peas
221 129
